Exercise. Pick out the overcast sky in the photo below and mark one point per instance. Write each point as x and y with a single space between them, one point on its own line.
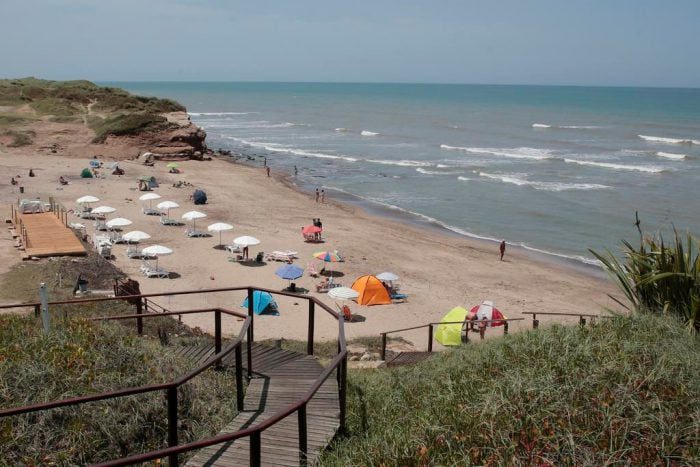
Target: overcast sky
589 42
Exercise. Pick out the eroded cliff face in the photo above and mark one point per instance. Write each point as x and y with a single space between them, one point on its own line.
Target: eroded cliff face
182 139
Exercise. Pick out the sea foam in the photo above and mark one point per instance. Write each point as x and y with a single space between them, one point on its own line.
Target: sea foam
514 153
368 133
659 139
299 152
669 155
435 172
401 163
567 127
545 186
610 165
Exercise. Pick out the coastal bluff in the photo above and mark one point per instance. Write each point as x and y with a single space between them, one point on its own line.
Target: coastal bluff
82 119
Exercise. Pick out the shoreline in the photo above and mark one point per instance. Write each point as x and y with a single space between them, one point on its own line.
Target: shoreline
344 199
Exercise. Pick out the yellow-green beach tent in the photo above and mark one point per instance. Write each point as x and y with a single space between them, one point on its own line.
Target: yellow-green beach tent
451 334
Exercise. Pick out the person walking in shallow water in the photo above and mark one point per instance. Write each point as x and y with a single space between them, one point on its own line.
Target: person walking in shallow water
267 169
317 194
503 249
323 196
296 172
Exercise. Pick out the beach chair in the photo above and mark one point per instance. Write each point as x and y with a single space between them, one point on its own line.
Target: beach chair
285 256
233 248
195 233
157 272
151 212
399 297
133 252
168 221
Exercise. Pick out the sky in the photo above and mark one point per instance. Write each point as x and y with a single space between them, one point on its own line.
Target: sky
576 42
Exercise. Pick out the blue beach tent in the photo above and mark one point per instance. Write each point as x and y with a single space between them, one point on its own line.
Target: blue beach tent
263 303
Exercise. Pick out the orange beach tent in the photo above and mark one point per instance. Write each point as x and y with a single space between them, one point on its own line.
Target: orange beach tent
371 290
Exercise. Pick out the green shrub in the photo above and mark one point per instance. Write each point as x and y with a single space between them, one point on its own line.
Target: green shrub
620 392
659 278
19 138
128 124
55 106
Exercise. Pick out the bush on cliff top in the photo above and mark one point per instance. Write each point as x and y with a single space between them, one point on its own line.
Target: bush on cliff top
127 124
622 391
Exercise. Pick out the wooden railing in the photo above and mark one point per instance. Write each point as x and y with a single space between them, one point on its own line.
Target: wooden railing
581 317
431 326
337 364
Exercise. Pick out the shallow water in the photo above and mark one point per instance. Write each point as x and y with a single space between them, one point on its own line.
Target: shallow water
556 169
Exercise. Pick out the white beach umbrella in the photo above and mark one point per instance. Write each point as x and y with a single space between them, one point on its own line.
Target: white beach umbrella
246 241
157 251
387 276
193 216
118 222
219 227
135 236
167 205
149 197
104 210
343 293
87 199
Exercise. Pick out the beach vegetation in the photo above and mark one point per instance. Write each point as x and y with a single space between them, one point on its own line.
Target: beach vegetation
18 138
128 124
658 277
622 391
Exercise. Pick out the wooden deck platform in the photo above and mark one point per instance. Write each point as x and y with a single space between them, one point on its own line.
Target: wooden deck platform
281 377
47 236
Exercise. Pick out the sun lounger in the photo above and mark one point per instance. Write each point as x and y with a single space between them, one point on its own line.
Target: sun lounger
324 288
101 225
311 270
285 256
133 252
151 212
233 248
156 272
168 221
195 233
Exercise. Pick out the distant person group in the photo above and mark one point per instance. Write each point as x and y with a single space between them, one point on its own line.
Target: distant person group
320 196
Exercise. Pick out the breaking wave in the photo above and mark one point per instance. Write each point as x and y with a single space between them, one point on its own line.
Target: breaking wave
659 139
610 165
368 133
670 155
435 172
514 153
568 127
298 152
402 163
341 129
545 186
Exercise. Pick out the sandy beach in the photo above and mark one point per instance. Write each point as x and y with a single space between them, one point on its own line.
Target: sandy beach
437 271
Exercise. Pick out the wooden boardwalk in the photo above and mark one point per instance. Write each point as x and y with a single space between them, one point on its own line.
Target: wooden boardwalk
280 378
47 236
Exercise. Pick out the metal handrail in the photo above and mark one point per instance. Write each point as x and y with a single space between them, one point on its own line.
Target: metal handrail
338 364
140 389
503 321
581 317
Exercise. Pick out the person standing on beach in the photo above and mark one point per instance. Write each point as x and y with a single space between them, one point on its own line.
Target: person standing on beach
267 169
503 249
323 196
264 161
296 172
317 194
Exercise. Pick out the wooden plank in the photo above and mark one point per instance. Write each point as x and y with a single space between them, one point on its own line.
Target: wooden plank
408 358
47 236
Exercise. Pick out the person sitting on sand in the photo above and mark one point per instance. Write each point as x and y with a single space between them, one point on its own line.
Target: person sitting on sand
31 173
325 283
13 181
62 180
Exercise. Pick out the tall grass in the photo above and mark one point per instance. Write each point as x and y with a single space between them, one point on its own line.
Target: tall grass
624 391
659 278
82 357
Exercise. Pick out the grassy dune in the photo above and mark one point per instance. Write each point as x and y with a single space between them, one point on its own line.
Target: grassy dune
623 391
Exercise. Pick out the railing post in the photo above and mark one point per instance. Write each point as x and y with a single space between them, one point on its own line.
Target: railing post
255 449
383 346
505 328
430 338
310 338
172 423
251 312
37 310
217 332
239 378
581 321
303 436
343 391
139 321
535 321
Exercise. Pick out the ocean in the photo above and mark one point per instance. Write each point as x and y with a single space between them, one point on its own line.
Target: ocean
554 169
